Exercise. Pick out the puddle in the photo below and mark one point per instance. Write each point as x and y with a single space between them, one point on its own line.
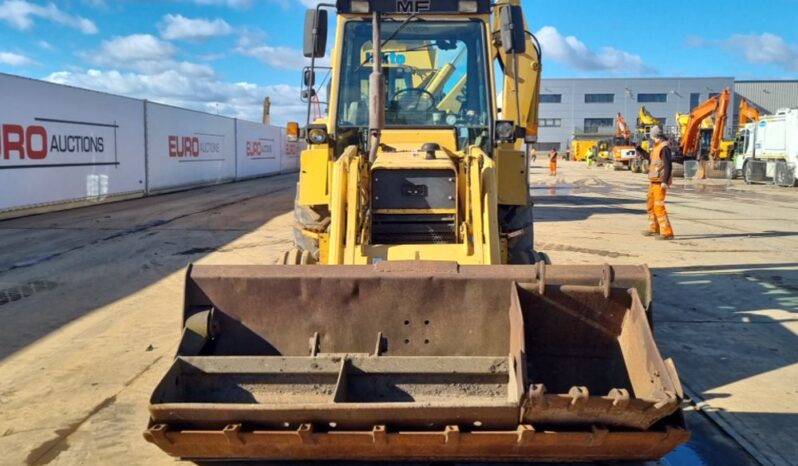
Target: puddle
561 188
686 455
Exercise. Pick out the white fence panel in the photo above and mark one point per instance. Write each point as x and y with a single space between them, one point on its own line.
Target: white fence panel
258 149
60 144
187 148
290 160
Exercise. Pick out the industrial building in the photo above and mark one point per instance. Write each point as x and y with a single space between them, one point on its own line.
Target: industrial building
571 106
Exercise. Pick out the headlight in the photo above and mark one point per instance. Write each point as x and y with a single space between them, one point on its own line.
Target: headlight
317 135
505 130
467 6
359 6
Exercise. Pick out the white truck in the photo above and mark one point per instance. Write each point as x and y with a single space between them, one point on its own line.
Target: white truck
768 149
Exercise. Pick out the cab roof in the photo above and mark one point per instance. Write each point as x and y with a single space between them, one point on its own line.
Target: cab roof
414 6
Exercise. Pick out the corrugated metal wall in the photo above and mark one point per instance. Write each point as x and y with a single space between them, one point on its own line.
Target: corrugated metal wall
767 95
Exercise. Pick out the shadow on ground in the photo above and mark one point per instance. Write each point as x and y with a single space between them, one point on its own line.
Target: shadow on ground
58 267
726 325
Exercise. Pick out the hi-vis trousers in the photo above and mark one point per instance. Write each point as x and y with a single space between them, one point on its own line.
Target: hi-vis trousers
657 214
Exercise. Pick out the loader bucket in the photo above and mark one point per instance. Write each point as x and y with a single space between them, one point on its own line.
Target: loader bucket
417 360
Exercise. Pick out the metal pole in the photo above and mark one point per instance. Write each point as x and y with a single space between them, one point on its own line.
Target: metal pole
376 90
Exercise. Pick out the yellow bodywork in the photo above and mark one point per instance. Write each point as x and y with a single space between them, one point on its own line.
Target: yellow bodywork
476 175
483 182
579 148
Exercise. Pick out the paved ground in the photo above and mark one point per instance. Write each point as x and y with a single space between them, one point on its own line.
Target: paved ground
90 305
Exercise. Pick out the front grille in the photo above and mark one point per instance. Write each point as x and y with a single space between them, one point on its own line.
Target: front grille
413 229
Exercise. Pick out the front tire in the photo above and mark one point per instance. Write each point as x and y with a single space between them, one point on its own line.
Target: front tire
518 223
311 218
783 176
748 173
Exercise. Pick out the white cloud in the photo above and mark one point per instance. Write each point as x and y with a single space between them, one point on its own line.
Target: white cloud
240 100
45 45
766 49
230 3
20 14
574 53
180 27
146 54
130 50
278 57
15 59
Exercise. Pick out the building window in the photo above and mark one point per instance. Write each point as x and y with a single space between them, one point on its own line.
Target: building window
599 98
648 98
592 125
695 99
551 98
550 122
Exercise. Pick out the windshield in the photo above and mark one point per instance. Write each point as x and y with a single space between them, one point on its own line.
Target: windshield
435 74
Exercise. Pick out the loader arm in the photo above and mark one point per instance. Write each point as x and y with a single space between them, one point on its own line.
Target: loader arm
528 71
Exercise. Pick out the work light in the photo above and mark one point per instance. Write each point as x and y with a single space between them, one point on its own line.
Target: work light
505 130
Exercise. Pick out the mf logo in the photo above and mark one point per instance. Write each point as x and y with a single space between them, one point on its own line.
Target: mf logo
412 6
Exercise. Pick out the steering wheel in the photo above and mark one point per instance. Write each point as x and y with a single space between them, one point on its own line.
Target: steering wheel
415 106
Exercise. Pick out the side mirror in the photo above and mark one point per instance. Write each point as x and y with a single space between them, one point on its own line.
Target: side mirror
309 78
315 44
512 29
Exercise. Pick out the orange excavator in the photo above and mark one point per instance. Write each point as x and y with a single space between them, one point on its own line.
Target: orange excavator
623 150
705 144
748 113
693 136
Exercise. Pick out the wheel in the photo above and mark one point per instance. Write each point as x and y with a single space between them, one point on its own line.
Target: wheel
297 256
644 166
748 173
313 218
517 222
783 176
634 166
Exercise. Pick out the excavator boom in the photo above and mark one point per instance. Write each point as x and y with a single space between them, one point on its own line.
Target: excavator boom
748 113
720 123
690 139
622 129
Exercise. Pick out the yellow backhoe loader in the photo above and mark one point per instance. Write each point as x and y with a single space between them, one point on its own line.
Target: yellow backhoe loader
414 321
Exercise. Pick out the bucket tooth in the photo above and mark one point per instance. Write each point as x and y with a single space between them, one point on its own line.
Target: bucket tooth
620 398
452 435
525 434
233 434
305 434
579 397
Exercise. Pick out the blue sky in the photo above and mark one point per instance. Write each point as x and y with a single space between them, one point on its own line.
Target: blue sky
226 55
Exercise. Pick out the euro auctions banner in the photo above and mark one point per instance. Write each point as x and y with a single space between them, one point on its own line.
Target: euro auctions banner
259 149
187 148
61 144
291 150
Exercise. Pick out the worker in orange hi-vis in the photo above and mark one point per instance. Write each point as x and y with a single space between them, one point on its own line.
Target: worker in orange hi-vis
553 162
660 178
